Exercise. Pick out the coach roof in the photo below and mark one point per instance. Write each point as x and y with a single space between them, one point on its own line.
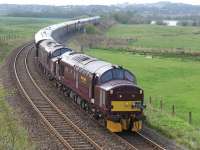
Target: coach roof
50 45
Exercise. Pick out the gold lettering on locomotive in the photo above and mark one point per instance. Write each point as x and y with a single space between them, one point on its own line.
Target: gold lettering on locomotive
83 79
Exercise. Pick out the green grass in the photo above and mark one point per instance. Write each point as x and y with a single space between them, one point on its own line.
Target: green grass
15 31
155 36
177 81
12 135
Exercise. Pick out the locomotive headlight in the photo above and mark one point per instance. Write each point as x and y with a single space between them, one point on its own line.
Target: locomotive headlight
141 91
111 91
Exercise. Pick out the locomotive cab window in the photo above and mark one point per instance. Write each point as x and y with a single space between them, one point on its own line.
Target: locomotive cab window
107 76
117 74
130 77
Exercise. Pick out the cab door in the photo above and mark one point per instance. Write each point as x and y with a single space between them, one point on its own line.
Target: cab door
102 98
76 78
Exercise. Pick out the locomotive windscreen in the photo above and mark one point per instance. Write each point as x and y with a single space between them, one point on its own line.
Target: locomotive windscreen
117 74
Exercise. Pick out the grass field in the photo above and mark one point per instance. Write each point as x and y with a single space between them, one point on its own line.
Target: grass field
13 32
17 30
154 36
177 81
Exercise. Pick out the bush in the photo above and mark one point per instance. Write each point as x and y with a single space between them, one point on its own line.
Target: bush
91 29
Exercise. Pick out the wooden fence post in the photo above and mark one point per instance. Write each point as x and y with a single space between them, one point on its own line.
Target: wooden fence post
150 100
173 109
190 117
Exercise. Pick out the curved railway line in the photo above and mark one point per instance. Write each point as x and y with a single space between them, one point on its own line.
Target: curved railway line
61 126
68 133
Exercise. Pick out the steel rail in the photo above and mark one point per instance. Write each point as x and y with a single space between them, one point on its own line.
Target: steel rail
151 142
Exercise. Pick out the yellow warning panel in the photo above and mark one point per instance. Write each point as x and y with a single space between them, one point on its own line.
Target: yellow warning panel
123 106
114 126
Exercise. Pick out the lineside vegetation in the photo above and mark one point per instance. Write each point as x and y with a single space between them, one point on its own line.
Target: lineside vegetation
14 31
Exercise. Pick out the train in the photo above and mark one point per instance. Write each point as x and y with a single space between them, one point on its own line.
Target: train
107 91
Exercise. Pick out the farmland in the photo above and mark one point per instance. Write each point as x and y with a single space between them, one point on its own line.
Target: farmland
17 30
154 36
14 32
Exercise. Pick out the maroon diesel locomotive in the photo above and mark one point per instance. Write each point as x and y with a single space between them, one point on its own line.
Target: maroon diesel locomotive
107 91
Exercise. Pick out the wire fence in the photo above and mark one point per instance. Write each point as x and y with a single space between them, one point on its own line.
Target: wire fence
157 104
9 36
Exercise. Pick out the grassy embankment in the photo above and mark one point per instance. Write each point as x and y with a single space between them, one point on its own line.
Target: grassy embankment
14 32
177 80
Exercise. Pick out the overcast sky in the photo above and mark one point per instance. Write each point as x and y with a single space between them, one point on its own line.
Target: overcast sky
88 2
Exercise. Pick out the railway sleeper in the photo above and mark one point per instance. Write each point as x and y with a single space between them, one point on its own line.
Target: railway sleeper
64 132
80 144
72 136
45 108
69 130
51 113
84 147
51 117
80 141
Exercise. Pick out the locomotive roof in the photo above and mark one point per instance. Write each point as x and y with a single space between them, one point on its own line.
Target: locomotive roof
50 45
87 63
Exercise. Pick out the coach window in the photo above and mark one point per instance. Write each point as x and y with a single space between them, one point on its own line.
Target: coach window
63 50
56 53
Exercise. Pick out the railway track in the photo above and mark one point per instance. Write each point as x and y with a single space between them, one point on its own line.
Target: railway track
140 141
69 134
58 124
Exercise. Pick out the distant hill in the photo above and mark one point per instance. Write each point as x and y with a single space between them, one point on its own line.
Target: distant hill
154 10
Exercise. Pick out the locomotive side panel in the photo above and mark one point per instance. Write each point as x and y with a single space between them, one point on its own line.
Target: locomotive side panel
43 57
85 85
69 76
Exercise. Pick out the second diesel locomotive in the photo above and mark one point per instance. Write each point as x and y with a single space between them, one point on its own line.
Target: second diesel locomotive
107 91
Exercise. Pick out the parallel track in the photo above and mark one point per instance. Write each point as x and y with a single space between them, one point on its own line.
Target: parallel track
140 141
58 124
